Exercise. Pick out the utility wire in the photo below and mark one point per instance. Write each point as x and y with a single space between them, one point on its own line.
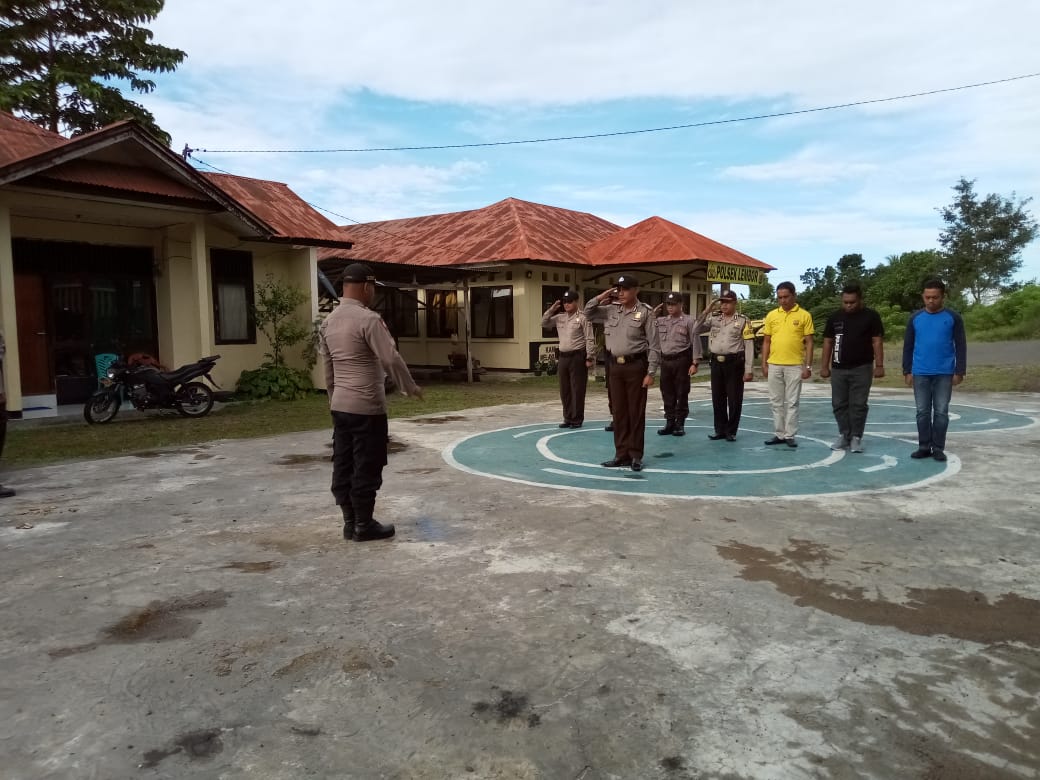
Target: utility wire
589 136
397 236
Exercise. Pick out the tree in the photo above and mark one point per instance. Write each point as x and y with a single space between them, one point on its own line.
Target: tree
983 239
61 62
275 314
851 268
899 281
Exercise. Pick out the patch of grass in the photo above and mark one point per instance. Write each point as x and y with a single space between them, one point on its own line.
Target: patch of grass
35 443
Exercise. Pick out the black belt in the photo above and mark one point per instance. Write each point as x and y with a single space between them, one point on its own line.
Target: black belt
724 358
677 355
622 359
569 352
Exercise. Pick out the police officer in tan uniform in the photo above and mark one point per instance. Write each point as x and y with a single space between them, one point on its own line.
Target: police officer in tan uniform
358 353
4 492
731 342
635 352
680 355
576 354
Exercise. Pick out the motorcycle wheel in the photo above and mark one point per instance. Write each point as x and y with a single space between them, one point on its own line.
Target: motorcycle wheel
194 400
101 408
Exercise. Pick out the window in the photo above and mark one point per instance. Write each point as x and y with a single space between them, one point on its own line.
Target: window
492 312
442 314
400 309
231 273
549 296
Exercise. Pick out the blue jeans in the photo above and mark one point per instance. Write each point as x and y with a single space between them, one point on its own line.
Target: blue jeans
932 396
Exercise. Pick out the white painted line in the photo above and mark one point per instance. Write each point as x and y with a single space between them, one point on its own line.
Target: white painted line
564 473
887 462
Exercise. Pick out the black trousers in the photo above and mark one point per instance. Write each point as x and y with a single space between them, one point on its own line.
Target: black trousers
675 386
629 415
3 425
727 394
574 379
358 457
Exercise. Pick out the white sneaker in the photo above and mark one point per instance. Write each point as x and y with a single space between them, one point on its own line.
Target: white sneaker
856 444
841 443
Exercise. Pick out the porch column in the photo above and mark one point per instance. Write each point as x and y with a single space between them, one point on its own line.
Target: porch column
8 314
201 288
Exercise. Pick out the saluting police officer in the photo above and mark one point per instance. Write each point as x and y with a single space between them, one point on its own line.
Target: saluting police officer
576 354
731 342
680 356
634 351
358 353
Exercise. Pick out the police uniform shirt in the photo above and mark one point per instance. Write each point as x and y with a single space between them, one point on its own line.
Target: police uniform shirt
732 337
628 332
575 331
358 353
677 334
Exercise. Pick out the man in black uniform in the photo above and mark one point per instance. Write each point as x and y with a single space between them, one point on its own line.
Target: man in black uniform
358 353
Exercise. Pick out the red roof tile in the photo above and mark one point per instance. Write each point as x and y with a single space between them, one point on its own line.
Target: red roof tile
19 139
282 209
656 240
122 177
508 230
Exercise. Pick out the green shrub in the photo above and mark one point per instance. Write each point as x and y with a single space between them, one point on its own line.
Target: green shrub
280 383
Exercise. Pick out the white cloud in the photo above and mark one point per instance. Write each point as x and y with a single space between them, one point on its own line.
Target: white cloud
809 165
543 51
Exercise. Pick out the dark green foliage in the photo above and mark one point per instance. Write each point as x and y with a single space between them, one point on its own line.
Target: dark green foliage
983 240
757 308
275 308
1015 316
898 282
278 382
61 62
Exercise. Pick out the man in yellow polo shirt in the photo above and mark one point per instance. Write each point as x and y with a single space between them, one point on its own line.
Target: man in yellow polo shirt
787 355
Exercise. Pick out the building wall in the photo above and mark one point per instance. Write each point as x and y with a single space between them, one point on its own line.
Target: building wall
184 308
528 281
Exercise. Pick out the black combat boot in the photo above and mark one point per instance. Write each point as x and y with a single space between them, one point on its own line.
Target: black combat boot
348 521
366 529
669 427
680 427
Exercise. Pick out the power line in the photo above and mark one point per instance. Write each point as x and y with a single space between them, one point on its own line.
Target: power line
589 136
357 222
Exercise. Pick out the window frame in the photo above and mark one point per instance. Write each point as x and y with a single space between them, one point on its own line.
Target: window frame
232 267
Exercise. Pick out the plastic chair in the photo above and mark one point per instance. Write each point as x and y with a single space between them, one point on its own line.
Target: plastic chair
102 363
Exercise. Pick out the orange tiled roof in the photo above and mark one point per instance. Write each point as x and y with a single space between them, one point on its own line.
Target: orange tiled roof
19 139
657 240
281 208
518 230
122 177
508 230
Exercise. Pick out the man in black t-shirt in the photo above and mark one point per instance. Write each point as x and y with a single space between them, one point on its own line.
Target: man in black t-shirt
854 352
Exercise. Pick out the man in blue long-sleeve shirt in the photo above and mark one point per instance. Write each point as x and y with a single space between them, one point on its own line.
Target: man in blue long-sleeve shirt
935 354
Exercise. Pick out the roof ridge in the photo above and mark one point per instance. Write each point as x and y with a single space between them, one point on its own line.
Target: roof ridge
514 209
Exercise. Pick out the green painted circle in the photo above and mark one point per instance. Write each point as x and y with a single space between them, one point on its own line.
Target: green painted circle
543 455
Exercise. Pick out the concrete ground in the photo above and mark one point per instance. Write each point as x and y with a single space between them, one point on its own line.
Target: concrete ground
195 613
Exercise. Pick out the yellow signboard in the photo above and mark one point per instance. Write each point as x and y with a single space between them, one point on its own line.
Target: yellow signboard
734 274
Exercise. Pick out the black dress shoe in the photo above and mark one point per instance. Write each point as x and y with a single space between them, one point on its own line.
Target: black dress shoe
372 531
610 427
730 437
576 425
679 431
637 465
6 492
716 436
564 425
616 462
921 453
790 443
775 440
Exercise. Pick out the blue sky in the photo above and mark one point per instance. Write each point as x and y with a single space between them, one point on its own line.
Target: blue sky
796 192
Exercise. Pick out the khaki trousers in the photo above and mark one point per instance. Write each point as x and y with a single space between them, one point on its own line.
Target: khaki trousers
785 393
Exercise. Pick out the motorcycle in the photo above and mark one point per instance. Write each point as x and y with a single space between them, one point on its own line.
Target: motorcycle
149 388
